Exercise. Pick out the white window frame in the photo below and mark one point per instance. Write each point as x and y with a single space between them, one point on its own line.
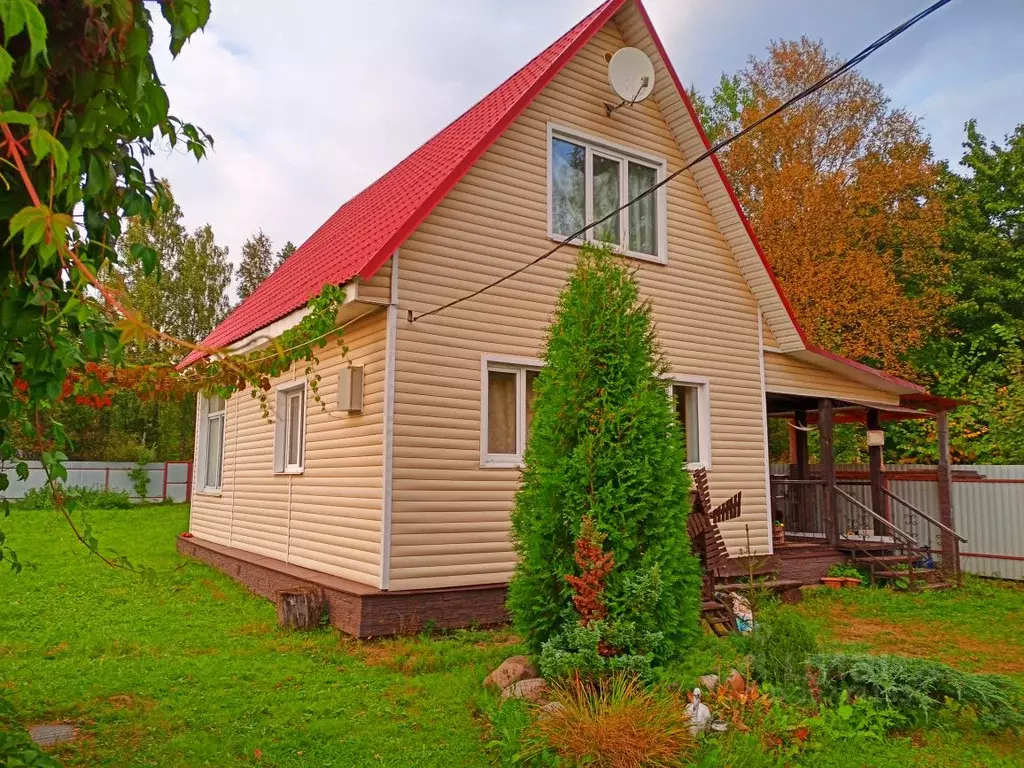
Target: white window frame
703 387
283 428
623 155
204 425
518 366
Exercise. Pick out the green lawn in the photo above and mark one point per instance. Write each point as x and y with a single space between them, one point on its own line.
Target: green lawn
191 670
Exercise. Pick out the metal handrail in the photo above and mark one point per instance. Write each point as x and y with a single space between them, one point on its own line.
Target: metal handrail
906 536
789 481
923 514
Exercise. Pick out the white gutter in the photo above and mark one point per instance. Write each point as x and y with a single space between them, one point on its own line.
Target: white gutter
289 321
764 428
390 355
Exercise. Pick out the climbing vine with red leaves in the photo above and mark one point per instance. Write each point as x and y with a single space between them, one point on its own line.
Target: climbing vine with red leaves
81 110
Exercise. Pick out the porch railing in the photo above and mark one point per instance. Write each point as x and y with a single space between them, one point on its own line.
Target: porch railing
903 528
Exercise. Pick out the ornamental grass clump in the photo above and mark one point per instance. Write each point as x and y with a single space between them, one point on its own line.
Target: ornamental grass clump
616 723
605 579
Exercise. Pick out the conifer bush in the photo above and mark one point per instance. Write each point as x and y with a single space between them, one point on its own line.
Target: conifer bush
606 579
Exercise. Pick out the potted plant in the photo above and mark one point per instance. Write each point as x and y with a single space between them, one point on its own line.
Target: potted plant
779 532
833 582
849 575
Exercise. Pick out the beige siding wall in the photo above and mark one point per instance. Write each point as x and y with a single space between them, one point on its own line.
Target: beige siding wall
450 520
787 375
329 517
378 287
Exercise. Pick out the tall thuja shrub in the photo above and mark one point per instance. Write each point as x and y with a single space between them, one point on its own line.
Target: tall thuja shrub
604 475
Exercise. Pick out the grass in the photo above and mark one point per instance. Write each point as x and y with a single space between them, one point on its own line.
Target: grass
191 670
976 628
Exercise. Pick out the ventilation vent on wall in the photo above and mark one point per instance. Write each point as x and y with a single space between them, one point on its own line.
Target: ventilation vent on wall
350 389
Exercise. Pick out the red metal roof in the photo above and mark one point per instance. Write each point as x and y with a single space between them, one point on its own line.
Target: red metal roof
365 231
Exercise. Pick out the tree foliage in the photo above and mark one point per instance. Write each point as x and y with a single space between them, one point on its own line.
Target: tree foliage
81 110
256 265
186 295
605 577
282 256
980 356
841 191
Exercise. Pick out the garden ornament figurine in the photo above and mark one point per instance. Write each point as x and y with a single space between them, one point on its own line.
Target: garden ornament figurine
700 715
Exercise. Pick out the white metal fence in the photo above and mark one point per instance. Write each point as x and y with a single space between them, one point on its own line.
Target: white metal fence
988 510
167 479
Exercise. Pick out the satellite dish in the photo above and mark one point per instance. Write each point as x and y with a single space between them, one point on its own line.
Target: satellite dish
631 75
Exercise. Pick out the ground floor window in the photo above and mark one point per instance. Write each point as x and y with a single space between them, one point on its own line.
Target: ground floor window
290 431
691 404
507 412
210 461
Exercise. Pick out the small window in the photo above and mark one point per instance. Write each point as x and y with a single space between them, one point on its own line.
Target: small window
690 402
590 182
290 433
210 462
509 392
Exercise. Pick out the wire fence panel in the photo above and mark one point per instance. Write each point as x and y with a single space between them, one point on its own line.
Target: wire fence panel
167 479
988 510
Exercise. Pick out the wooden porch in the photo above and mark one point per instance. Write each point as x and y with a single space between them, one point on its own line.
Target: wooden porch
830 515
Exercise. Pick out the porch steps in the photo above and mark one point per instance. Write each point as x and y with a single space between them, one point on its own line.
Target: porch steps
879 559
918 572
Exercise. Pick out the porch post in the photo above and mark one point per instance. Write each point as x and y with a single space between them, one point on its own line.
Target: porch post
877 474
801 471
828 471
950 546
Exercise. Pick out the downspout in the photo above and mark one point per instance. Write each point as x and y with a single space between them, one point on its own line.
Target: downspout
234 472
764 430
387 488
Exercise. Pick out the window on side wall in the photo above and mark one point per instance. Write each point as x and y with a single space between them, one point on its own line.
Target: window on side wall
590 180
210 461
691 405
507 413
290 429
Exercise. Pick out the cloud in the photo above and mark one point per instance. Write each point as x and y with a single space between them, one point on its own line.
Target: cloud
309 102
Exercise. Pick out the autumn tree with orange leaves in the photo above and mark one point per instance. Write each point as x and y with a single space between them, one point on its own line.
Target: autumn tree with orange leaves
841 191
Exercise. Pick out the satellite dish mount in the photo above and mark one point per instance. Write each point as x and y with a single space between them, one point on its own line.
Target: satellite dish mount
631 76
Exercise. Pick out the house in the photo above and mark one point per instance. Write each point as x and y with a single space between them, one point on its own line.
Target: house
397 503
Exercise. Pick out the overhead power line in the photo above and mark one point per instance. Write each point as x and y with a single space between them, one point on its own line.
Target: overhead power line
816 86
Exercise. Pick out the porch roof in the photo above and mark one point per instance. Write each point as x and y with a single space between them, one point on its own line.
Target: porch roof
920 405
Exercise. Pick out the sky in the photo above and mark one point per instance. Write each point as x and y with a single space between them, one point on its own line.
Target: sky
310 101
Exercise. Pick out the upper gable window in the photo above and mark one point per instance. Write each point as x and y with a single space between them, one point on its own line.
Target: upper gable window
589 179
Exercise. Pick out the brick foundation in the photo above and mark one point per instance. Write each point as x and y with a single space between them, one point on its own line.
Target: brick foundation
355 608
806 563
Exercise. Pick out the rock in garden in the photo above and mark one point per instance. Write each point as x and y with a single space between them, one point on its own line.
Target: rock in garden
708 682
512 670
528 690
735 681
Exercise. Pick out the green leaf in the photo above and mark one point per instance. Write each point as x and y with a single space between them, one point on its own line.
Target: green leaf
43 144
36 28
6 65
12 14
18 15
145 255
14 117
22 470
31 223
